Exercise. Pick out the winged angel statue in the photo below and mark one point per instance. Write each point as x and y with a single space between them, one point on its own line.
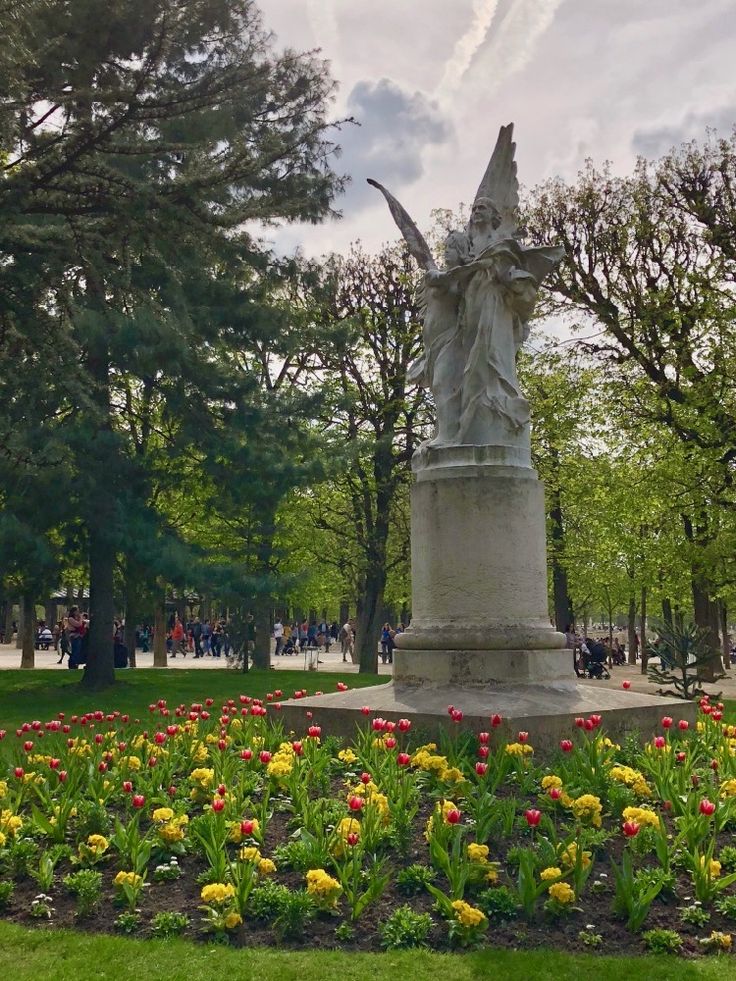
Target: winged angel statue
477 311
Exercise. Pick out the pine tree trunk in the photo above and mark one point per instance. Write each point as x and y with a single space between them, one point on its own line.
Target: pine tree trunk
262 648
160 659
28 632
99 671
19 633
633 646
368 622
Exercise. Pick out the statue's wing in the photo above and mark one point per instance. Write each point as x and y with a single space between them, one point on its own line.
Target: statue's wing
413 237
542 260
499 181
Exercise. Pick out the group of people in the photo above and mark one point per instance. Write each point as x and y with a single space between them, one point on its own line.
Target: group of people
210 638
293 638
593 657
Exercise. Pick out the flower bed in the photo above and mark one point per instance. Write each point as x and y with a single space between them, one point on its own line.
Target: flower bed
211 821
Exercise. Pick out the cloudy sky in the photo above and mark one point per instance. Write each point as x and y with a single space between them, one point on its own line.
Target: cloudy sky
431 81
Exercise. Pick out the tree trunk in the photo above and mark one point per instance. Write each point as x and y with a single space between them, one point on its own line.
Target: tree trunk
99 671
643 629
160 660
262 648
667 611
49 613
344 613
633 645
725 639
368 621
9 622
27 633
21 619
560 587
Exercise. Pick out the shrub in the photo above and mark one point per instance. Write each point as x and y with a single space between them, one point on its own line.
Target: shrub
128 922
169 924
266 901
695 914
726 906
405 928
20 856
499 904
92 819
727 857
415 879
86 885
296 911
7 889
662 941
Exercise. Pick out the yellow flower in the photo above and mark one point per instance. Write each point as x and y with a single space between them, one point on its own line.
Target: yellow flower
347 756
468 915
162 814
266 867
478 853
3 788
550 873
98 844
728 788
714 867
348 826
279 768
722 941
171 832
323 887
641 816
631 778
130 763
492 874
131 879
569 856
452 775
588 808
562 893
10 823
2 840
251 854
203 776
233 920
217 893
551 781
519 749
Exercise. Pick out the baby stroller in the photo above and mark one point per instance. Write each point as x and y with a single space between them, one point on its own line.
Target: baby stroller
595 660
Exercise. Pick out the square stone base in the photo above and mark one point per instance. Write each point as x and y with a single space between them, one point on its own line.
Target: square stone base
546 711
481 669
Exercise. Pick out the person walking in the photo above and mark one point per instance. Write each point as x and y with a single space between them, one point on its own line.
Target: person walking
197 637
178 637
278 635
347 640
76 629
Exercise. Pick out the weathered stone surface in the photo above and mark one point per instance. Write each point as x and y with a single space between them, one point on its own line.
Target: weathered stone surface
481 669
546 711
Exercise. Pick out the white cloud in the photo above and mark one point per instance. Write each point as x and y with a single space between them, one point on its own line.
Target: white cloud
466 46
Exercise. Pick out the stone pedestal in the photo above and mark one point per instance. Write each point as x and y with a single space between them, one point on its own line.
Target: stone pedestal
480 636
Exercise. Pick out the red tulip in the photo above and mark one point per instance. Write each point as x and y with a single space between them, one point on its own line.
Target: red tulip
706 709
566 745
659 742
667 722
484 752
683 724
102 767
62 776
28 745
707 807
171 791
314 732
533 817
457 715
246 827
483 738
297 747
18 772
596 720
680 757
403 759
389 742
355 803
341 686
365 778
404 725
579 722
453 816
277 693
127 786
630 829
54 764
496 720
717 716
555 793
246 754
714 765
378 725
310 715
588 725
264 756
481 769
390 726
626 685
352 839
222 790
366 710
450 709
138 800
523 737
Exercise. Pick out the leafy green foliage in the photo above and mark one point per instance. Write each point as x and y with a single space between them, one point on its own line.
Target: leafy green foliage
405 928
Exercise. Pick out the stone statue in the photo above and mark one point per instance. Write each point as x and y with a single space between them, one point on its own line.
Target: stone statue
477 310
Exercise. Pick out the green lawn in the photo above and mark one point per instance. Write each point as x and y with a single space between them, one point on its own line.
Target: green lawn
26 955
39 694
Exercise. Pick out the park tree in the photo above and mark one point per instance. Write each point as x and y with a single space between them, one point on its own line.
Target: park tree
647 274
135 155
368 309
